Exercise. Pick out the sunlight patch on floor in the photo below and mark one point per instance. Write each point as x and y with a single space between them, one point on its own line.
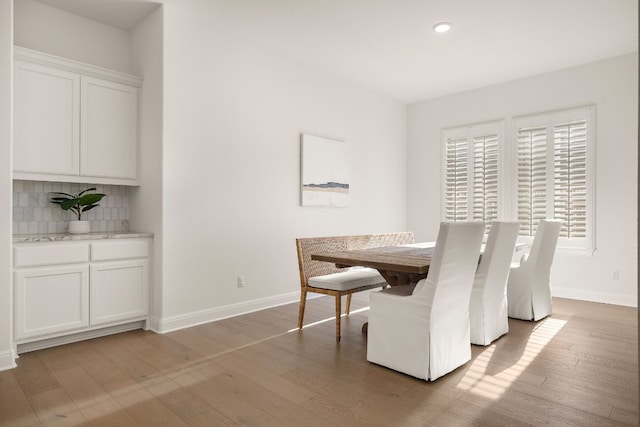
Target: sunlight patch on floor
492 386
328 319
186 374
156 385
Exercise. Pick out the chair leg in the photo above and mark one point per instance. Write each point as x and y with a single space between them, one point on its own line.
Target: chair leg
303 300
348 309
338 314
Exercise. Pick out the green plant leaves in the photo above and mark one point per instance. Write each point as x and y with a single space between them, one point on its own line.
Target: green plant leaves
77 203
68 204
90 199
87 190
88 208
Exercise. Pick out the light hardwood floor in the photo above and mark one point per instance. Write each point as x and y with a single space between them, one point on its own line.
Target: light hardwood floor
578 367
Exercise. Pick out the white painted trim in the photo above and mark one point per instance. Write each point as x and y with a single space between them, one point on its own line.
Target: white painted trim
75 66
81 179
81 336
601 297
153 324
7 360
187 320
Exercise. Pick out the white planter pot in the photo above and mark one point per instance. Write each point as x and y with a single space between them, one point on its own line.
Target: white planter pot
79 227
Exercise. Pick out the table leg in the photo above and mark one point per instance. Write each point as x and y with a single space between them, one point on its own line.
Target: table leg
391 277
395 278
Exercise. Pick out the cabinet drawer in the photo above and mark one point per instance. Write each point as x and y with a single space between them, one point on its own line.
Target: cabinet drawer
119 249
43 254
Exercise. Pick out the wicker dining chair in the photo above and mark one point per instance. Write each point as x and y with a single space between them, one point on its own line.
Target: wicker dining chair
325 278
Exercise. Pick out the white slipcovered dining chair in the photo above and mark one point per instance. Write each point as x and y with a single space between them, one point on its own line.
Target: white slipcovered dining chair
488 306
528 290
423 330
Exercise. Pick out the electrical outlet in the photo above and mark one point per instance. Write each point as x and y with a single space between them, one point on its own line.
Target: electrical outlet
241 280
615 275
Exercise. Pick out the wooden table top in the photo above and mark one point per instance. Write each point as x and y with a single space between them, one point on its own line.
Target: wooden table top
413 259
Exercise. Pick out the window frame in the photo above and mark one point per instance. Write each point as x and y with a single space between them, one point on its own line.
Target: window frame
549 120
468 132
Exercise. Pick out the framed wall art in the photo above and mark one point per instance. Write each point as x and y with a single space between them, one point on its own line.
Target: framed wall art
324 171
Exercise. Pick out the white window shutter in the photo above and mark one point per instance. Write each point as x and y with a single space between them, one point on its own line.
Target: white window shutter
570 178
532 178
485 178
456 179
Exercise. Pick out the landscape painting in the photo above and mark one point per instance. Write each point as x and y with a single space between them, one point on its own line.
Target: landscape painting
325 172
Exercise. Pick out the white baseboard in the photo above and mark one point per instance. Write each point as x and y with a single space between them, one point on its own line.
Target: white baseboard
173 323
603 297
7 360
80 336
153 324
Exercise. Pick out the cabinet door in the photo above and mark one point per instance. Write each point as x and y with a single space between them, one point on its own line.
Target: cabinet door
109 129
51 300
46 120
119 290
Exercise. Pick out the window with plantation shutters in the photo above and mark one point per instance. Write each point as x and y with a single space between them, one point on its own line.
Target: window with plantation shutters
471 172
548 174
554 170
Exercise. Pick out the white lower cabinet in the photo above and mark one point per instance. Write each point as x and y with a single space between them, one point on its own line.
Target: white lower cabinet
51 300
63 288
119 290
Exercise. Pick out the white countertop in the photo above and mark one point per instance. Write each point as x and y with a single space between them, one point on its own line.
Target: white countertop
59 237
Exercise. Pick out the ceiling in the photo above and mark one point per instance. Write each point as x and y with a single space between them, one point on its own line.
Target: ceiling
123 14
389 46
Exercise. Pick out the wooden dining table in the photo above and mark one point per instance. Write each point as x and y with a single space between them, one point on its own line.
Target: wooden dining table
399 265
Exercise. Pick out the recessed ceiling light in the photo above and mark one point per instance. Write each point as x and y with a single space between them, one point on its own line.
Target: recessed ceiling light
442 27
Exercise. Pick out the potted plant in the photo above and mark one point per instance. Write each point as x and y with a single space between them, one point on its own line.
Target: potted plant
77 203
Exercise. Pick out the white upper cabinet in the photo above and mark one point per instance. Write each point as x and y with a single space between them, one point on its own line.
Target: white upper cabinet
73 121
109 129
46 120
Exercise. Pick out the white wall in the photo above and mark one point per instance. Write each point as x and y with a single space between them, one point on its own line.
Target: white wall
233 117
47 29
6 59
146 200
612 86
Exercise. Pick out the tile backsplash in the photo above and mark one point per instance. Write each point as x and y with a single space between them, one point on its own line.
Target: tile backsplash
34 214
